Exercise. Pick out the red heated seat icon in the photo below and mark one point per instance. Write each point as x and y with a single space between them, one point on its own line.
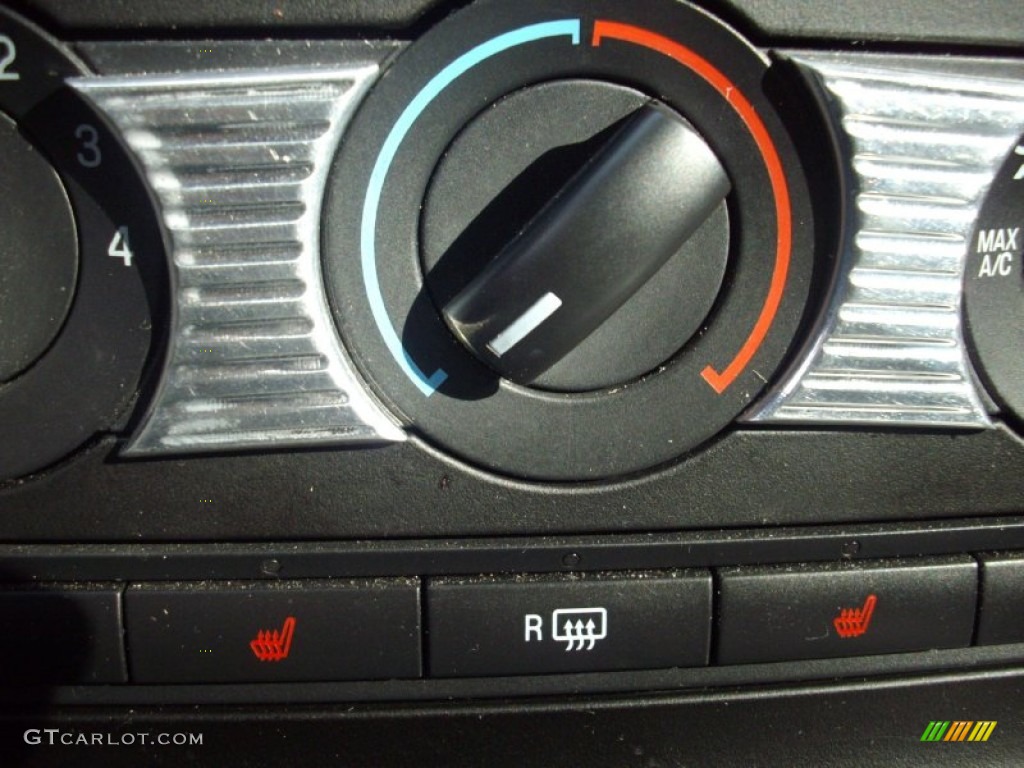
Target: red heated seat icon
854 622
274 644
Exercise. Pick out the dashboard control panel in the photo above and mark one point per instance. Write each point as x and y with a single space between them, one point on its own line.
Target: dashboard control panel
477 626
532 347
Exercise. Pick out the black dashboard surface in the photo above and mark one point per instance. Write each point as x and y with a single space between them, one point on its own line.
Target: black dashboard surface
753 494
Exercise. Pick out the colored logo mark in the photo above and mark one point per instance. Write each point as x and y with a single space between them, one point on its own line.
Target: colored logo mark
958 730
854 622
274 644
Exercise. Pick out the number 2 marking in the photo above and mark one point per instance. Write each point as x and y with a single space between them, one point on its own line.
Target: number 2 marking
10 53
90 156
120 248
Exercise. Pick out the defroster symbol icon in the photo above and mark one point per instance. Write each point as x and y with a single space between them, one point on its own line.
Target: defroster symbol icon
577 627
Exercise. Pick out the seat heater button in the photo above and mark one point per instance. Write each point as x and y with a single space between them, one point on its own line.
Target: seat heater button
783 613
215 632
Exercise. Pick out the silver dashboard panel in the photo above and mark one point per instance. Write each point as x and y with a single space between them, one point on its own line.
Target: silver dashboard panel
238 162
238 159
922 139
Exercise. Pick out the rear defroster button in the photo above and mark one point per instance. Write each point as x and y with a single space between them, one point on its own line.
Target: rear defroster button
550 624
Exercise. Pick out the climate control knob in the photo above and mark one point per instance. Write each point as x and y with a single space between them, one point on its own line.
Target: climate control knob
994 288
582 239
596 242
82 261
38 251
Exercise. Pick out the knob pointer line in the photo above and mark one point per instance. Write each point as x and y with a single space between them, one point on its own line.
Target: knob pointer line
428 384
721 381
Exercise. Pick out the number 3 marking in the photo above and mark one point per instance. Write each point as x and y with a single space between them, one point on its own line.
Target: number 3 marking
90 156
1019 151
10 53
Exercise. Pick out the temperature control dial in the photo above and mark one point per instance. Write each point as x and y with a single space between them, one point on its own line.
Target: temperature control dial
607 214
582 242
82 261
994 286
37 282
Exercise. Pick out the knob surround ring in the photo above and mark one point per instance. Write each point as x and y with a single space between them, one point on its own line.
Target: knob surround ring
461 405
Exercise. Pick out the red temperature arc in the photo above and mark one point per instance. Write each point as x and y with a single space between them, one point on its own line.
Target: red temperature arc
604 29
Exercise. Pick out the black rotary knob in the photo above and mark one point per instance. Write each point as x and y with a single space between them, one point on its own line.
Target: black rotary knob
589 248
38 253
994 288
569 239
598 240
81 261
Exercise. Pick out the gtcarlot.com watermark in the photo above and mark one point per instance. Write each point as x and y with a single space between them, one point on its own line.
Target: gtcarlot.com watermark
54 737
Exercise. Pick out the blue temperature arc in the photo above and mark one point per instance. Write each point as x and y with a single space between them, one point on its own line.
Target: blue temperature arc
371 205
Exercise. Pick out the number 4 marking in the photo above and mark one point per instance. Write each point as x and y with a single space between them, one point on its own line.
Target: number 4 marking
1019 151
120 248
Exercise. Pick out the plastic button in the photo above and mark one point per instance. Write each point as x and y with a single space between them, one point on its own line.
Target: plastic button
779 613
552 624
279 631
1001 612
61 634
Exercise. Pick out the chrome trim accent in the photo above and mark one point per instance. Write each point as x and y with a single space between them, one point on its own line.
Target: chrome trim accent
924 138
238 162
